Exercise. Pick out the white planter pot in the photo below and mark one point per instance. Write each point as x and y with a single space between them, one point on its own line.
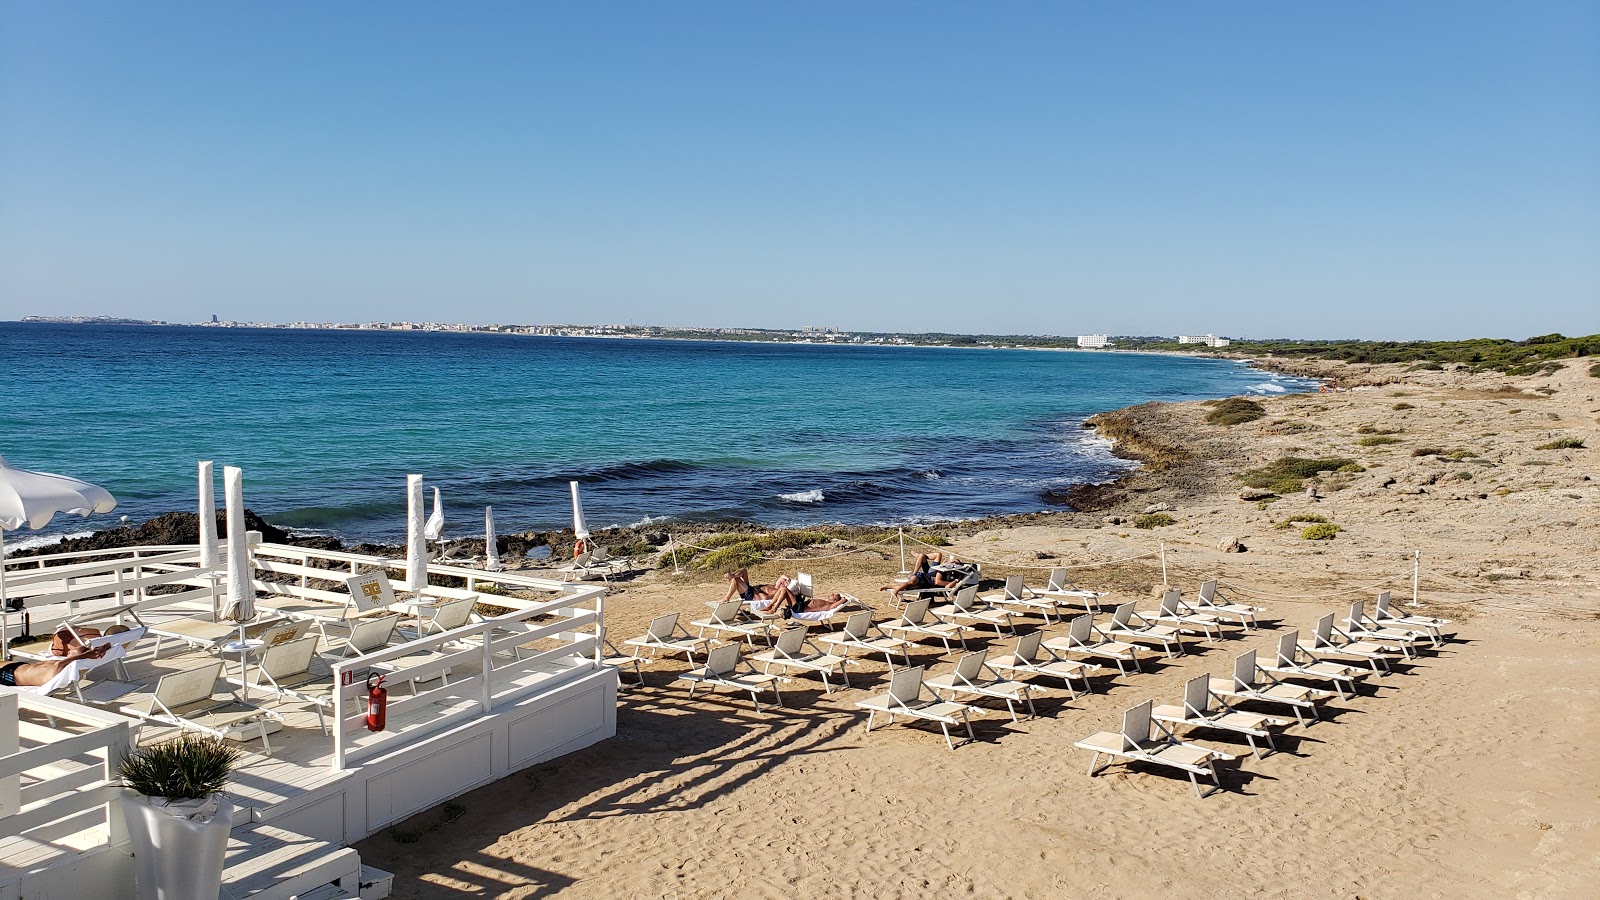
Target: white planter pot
178 846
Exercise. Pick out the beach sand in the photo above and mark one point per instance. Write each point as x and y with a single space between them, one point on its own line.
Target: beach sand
1471 772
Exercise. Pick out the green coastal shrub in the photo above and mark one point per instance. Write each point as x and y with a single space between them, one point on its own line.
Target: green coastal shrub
1459 455
731 550
1322 531
1378 441
1427 451
1562 444
1304 518
1594 371
1373 429
1153 520
1401 406
1235 411
1287 475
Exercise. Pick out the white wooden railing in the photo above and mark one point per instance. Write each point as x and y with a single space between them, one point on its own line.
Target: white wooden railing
488 668
55 783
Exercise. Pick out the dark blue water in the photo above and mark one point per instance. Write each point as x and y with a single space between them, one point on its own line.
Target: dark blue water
326 424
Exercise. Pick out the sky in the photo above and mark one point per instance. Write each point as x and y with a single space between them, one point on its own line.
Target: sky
1382 170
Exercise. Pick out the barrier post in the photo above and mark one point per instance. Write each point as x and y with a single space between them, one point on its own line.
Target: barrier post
672 545
1164 566
1416 573
903 552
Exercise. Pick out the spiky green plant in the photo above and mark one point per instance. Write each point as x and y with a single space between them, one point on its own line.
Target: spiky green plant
187 767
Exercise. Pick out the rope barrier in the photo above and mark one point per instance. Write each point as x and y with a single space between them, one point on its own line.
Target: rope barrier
1274 595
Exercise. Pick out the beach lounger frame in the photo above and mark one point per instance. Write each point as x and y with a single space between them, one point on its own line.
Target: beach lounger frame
1081 638
1135 744
726 668
1323 642
184 700
1028 656
665 635
963 607
793 649
1206 602
1123 626
1243 685
973 677
1196 712
729 616
1287 664
914 620
859 633
904 698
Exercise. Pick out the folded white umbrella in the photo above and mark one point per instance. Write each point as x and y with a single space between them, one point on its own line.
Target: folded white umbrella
434 530
33 499
579 527
491 548
241 574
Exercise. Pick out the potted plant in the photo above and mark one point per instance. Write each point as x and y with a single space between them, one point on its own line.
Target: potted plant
178 818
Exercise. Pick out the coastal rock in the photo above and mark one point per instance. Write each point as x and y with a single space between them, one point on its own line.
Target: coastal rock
169 529
1232 545
1255 494
1158 508
1505 572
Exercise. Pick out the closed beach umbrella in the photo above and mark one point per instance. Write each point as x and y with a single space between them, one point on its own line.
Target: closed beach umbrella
241 580
208 517
416 543
435 527
491 549
579 527
33 499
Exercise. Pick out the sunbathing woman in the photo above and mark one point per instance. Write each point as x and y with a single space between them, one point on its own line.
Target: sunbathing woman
796 604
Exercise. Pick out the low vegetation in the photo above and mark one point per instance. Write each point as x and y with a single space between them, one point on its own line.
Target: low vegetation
732 550
1427 451
1303 518
1541 353
1153 520
1235 411
1378 440
1373 429
1562 444
1322 531
187 767
1402 406
1288 474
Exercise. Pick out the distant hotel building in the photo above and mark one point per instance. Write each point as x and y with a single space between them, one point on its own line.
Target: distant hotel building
1210 340
1093 340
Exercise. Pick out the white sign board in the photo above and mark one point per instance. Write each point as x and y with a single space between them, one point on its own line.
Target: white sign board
371 590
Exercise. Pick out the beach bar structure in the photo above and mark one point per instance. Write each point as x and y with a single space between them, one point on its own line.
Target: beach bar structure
518 682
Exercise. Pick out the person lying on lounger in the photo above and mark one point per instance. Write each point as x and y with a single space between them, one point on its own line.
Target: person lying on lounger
794 604
760 594
35 674
65 640
932 571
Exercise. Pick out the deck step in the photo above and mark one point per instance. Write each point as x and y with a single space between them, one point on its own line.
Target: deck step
267 863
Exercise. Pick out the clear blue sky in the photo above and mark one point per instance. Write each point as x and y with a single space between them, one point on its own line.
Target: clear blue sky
1366 169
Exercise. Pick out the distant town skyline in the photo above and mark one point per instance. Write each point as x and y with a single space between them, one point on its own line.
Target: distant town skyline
1413 172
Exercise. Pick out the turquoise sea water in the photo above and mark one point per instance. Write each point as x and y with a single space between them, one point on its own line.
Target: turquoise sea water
326 424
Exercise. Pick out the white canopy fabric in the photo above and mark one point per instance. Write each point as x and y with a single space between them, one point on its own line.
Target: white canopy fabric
241 577
491 547
416 543
579 527
34 498
208 517
435 527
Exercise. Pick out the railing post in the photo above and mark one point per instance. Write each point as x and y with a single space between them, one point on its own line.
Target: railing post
599 630
1416 574
486 693
116 750
672 545
10 785
339 669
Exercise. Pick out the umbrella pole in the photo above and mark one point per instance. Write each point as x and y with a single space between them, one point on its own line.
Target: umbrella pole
5 610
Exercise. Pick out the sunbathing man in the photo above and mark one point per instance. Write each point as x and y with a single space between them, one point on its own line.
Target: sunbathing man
925 576
760 594
65 640
796 604
35 674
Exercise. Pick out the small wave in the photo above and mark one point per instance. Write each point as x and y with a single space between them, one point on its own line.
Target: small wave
42 540
802 497
631 470
1267 387
930 474
649 520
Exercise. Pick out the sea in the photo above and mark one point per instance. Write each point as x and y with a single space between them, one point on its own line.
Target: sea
326 424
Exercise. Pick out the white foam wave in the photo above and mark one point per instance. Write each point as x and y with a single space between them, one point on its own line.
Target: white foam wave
931 475
802 497
1267 387
14 544
649 520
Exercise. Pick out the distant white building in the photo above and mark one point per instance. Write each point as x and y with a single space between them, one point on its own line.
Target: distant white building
1210 340
1093 340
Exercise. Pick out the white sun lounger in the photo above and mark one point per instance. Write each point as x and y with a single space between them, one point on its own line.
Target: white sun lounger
725 668
1134 743
618 660
1365 628
972 678
286 671
1196 712
1246 685
860 634
183 700
1128 625
904 698
1174 613
1206 602
1082 637
726 616
1017 593
1029 658
1062 592
366 635
1328 640
947 591
1288 664
914 622
1386 617
963 607
794 650
665 636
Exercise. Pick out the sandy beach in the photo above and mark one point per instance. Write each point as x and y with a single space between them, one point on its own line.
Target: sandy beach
1469 772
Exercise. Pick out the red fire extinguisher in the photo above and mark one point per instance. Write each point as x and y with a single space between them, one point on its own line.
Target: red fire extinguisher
377 703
